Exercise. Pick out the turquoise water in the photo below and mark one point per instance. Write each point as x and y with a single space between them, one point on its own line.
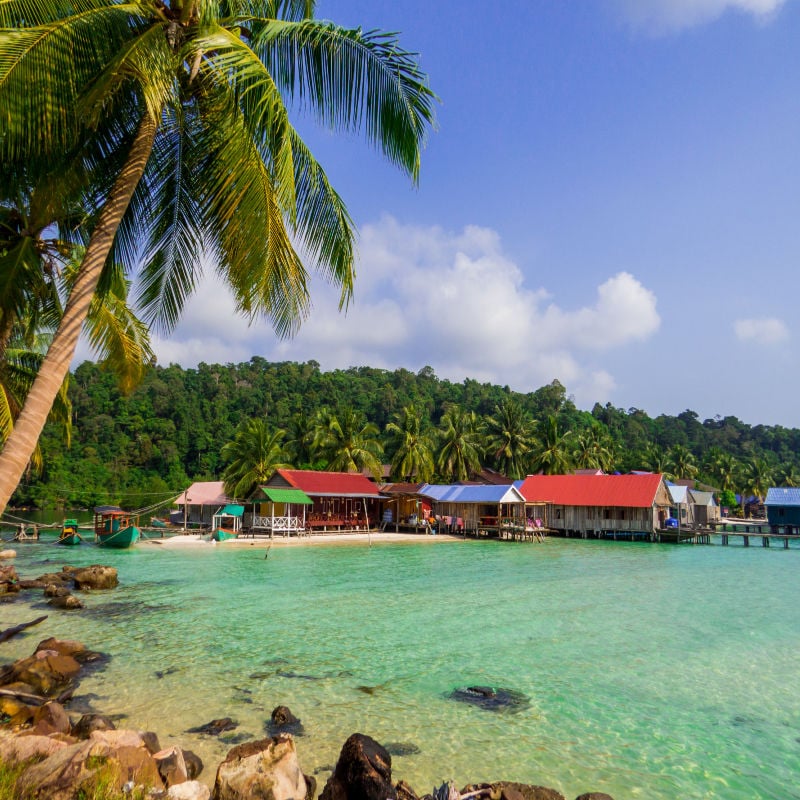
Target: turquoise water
653 671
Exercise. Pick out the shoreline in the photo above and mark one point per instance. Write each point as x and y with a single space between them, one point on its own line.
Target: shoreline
312 540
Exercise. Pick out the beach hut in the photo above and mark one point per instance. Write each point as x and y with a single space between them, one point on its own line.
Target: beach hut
681 506
402 507
339 500
228 519
485 509
616 506
783 508
278 509
198 504
704 506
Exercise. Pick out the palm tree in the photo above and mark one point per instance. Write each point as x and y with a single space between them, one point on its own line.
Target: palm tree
682 462
552 455
348 443
413 447
656 459
594 449
253 456
300 439
460 447
509 438
182 103
789 475
758 476
723 469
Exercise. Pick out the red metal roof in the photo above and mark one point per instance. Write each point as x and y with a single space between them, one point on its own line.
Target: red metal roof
335 484
620 491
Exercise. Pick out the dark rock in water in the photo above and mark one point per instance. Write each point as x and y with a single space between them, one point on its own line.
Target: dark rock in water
363 772
594 796
260 676
89 723
489 699
283 721
68 602
509 790
194 764
367 689
402 748
215 727
324 768
160 673
236 738
283 673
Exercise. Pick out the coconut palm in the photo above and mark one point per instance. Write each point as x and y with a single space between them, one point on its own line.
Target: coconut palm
681 462
412 444
509 438
655 458
253 456
348 443
460 444
723 469
758 475
594 449
552 455
300 439
183 102
789 475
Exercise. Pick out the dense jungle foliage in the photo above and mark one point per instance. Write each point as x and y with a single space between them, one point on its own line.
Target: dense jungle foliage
147 446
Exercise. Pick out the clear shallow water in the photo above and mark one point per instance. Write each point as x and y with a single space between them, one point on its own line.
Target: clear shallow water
653 671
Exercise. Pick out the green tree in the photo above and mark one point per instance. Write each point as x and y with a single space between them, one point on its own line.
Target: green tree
757 476
184 102
509 438
348 443
681 462
460 444
552 455
412 445
253 456
594 449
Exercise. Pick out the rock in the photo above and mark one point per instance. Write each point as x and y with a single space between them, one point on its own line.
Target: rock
283 721
67 601
8 553
509 790
15 749
594 796
191 790
46 671
399 749
89 723
215 727
66 647
363 772
150 740
119 756
56 590
171 766
266 769
490 699
50 718
405 792
95 577
194 764
63 578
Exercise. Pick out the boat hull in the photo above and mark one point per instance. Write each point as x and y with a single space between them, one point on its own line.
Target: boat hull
221 535
69 539
119 539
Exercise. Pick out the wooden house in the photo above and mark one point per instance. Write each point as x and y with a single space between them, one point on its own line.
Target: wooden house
681 506
601 505
338 500
402 507
280 510
783 508
198 504
483 509
704 507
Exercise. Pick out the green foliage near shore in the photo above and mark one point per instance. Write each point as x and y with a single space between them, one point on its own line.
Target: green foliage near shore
137 449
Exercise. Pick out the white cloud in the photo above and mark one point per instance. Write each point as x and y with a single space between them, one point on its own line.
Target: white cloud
761 331
425 296
670 15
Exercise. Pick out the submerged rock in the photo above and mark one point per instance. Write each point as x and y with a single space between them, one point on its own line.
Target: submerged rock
95 577
510 790
402 748
215 727
490 699
89 723
283 721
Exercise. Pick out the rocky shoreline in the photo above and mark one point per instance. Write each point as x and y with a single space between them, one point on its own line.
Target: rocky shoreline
62 756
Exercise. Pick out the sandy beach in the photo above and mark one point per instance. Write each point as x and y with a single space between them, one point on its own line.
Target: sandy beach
311 540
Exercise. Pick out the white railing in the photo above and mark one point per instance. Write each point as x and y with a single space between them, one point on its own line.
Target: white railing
278 524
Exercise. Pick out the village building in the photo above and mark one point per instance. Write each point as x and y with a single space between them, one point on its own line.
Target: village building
484 509
334 500
783 508
198 504
598 506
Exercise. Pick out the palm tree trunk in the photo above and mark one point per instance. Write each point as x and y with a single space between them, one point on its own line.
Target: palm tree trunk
28 427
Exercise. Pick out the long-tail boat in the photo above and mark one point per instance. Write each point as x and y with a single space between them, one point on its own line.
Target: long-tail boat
69 533
114 527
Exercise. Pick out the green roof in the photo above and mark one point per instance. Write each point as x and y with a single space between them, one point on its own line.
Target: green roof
277 495
231 511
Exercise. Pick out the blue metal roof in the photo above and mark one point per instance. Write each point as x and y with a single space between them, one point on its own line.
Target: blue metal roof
455 493
783 496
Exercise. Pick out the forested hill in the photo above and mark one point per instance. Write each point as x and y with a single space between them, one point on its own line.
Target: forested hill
136 449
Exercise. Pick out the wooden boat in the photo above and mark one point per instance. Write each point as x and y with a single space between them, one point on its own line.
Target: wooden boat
69 533
114 527
221 535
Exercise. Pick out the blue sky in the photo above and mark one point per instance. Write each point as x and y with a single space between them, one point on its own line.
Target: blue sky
612 199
